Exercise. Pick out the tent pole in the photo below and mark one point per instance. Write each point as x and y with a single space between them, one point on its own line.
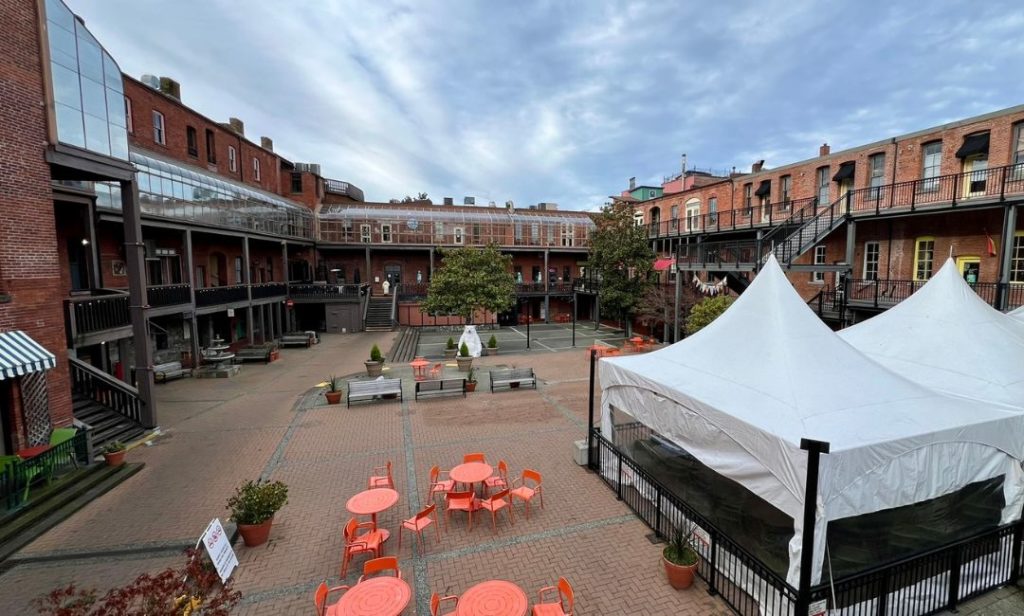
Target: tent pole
590 420
814 450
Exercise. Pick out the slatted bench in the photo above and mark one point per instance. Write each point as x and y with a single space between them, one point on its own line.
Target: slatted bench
169 370
368 390
258 353
440 387
297 339
508 377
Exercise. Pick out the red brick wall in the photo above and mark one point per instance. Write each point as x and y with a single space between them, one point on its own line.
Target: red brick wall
29 260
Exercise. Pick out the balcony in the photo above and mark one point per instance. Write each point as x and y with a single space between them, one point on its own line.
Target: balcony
264 290
883 294
338 187
754 217
98 317
213 296
169 295
312 293
730 255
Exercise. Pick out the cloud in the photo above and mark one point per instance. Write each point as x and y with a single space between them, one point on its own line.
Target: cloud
555 101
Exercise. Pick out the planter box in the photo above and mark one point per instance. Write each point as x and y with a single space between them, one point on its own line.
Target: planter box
491 351
579 452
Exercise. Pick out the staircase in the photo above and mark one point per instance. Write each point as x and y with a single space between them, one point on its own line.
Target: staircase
110 407
810 230
106 424
405 347
378 315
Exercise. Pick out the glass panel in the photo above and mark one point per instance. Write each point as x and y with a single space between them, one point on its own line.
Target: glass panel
63 49
66 87
103 196
90 57
112 75
115 195
115 108
60 14
70 129
143 180
94 100
118 142
97 135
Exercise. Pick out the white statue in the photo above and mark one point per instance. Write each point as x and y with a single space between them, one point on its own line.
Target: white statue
385 285
472 340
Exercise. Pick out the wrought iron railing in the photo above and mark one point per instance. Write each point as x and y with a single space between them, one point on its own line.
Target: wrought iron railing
169 294
105 389
821 221
264 290
711 254
18 476
412 290
211 296
586 285
768 215
324 291
94 313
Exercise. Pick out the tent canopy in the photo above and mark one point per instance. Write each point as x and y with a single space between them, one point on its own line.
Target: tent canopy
740 394
947 338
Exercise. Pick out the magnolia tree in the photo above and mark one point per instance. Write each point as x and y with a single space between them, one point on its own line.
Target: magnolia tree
470 280
621 255
706 311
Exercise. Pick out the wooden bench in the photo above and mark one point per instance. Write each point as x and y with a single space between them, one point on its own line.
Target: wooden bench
170 370
259 353
297 339
440 387
512 377
368 390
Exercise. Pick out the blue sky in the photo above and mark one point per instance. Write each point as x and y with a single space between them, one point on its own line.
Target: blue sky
564 101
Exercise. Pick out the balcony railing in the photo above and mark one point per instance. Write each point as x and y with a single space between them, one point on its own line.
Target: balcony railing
886 293
731 220
325 291
710 254
343 188
586 285
412 290
169 294
94 313
211 296
264 290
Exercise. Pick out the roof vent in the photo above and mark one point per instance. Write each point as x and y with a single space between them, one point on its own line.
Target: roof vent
267 143
449 201
237 126
151 80
469 201
171 88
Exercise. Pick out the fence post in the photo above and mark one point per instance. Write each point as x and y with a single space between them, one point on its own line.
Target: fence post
883 592
1002 183
590 412
1018 537
954 578
618 489
657 510
814 450
956 187
712 589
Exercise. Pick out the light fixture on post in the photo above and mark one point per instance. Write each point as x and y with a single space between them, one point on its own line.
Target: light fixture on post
85 241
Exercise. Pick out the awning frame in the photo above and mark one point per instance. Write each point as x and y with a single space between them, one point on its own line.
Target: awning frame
21 355
846 171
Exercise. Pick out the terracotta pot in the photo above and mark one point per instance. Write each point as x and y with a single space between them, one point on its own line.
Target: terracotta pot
465 363
450 353
492 350
679 576
333 397
471 387
116 458
374 368
255 534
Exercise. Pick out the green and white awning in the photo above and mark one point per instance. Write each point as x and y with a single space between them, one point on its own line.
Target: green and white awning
20 355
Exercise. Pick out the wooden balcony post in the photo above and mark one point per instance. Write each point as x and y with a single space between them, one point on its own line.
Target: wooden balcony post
135 258
1006 257
250 327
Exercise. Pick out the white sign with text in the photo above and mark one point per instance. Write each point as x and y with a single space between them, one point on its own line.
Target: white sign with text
219 549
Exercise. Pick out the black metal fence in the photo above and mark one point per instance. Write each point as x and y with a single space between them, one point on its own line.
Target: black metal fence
211 296
169 294
264 290
18 477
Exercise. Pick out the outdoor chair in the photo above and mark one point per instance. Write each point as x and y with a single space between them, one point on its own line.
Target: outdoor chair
529 486
496 503
436 371
372 542
435 604
62 435
419 522
459 501
320 599
438 485
499 481
562 607
28 472
383 564
384 480
474 457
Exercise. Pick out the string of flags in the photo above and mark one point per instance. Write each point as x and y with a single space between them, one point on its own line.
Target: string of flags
709 288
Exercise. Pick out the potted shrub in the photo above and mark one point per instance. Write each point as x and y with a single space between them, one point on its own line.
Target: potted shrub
471 380
333 393
680 560
376 363
449 349
492 345
114 453
464 359
253 507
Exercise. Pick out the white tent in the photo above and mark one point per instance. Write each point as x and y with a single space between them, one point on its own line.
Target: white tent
1018 314
740 394
946 337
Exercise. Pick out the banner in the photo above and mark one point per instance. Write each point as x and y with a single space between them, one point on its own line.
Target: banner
708 288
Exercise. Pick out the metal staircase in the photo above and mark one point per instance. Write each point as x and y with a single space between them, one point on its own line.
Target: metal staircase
378 315
111 408
809 230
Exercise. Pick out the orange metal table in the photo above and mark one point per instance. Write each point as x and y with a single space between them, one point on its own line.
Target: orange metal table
379 596
471 472
419 368
30 452
372 502
493 598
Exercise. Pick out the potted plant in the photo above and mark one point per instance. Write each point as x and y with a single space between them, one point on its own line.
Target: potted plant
492 345
114 453
464 359
253 507
449 349
376 363
471 380
680 559
333 393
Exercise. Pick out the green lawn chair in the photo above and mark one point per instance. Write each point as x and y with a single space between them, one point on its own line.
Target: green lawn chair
62 435
19 471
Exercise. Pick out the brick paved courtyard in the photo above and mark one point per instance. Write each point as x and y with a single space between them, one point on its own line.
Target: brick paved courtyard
272 421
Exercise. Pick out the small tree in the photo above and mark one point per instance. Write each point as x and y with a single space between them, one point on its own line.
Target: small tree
620 253
706 311
469 280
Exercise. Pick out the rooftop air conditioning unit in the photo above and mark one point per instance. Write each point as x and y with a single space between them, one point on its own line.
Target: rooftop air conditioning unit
449 201
509 205
469 201
152 81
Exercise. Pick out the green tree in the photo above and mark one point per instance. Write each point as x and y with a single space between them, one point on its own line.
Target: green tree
706 311
471 279
621 255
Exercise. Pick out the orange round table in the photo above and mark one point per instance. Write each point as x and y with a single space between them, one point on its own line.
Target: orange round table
372 502
471 472
419 367
379 596
493 598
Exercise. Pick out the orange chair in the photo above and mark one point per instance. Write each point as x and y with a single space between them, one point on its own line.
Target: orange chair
435 372
380 565
438 485
435 604
372 542
384 480
473 457
418 522
562 607
525 492
499 481
495 504
320 599
460 501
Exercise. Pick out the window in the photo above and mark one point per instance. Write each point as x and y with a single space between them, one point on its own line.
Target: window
785 191
822 192
819 259
128 114
876 164
675 211
158 128
232 159
211 147
568 234
439 232
192 140
296 182
364 234
566 274
518 269
458 235
1017 258
924 256
536 274
238 271
535 234
931 159
748 205
200 276
256 168
476 233
385 233
519 233
693 215
871 260
713 211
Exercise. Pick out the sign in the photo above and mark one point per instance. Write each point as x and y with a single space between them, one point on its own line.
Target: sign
289 303
231 312
219 549
818 608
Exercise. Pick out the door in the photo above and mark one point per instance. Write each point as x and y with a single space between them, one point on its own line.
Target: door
78 264
975 174
970 268
6 422
393 274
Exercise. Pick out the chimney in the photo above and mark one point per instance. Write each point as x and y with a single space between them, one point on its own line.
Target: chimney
632 183
469 201
267 143
757 166
170 87
449 201
824 150
237 126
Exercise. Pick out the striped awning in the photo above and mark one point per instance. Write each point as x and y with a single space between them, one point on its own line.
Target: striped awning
20 355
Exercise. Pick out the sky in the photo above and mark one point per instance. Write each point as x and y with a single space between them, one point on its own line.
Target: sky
563 101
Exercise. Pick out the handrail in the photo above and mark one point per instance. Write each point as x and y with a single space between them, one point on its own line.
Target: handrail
394 303
366 301
106 389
